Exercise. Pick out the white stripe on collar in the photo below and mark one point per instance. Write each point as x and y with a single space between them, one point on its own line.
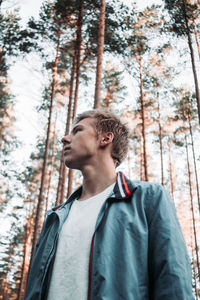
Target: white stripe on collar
120 186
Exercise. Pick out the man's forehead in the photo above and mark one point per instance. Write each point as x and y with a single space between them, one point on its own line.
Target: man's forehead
85 122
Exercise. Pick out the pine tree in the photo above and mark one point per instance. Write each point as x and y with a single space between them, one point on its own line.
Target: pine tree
182 13
138 47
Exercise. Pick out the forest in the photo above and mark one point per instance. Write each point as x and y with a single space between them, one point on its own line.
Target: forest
141 62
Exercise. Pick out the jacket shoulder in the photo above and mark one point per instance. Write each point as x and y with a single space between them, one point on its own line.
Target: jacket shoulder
155 198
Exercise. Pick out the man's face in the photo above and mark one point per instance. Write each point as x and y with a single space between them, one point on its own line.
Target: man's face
81 145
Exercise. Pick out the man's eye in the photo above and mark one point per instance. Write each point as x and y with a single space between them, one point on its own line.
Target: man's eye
76 130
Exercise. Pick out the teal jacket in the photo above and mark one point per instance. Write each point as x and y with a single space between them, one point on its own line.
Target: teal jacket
137 250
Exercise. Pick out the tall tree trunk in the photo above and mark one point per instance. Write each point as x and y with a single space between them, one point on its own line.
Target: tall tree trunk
195 165
52 158
26 258
192 206
70 182
60 179
38 224
194 275
77 71
5 287
193 260
170 169
62 171
141 159
78 58
143 119
160 141
196 37
100 49
129 165
192 59
10 263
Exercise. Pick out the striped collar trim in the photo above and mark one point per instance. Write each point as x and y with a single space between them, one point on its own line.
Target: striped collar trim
123 187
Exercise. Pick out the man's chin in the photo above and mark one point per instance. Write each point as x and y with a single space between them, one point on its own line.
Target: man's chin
71 165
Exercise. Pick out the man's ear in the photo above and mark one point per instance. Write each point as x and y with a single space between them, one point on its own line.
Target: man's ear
106 138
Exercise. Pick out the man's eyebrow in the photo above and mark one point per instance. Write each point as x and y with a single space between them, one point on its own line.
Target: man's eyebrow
77 126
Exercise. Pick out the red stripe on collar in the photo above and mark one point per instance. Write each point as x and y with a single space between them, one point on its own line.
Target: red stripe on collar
125 185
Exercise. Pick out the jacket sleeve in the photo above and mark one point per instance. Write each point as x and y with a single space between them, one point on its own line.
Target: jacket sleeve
169 265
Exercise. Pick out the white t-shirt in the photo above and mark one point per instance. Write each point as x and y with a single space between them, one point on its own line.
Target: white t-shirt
70 274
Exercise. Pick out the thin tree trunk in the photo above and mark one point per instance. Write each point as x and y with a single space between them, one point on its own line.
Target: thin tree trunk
70 181
78 56
193 265
160 141
26 255
192 60
52 158
27 251
6 284
170 169
77 71
192 206
194 275
101 35
60 179
129 165
196 37
195 165
141 159
62 171
143 119
32 213
5 287
38 224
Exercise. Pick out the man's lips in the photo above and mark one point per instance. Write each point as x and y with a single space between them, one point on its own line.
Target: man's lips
66 149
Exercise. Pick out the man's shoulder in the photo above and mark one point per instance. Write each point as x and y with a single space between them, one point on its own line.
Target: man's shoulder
147 186
152 194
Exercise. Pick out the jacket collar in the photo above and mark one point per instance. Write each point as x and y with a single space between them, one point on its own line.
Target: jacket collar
123 188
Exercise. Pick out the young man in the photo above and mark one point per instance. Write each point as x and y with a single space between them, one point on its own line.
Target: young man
114 238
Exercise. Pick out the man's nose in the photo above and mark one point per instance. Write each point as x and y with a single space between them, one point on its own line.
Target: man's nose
66 139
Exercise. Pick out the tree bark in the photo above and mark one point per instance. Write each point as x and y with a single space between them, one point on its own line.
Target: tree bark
194 276
195 165
26 258
191 205
62 171
52 158
141 159
100 49
192 60
77 71
196 37
170 169
161 142
78 56
38 224
70 181
143 119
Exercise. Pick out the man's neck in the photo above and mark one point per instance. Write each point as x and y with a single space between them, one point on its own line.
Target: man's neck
95 180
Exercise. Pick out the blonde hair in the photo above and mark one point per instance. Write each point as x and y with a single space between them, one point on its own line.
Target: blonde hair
108 122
